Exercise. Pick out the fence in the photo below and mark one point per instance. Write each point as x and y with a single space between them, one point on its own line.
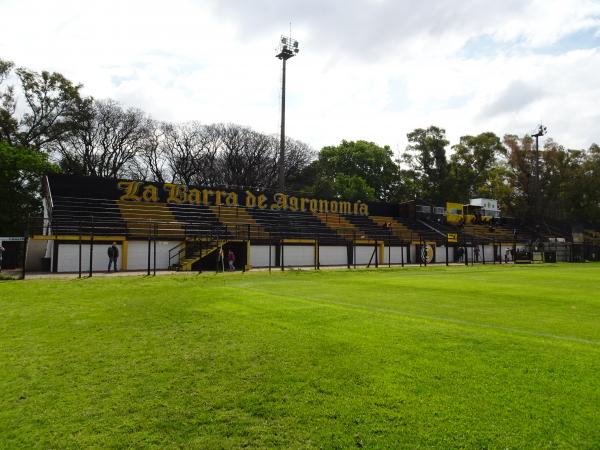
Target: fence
279 240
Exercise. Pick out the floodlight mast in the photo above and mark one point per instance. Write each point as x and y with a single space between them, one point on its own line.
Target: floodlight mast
541 131
288 48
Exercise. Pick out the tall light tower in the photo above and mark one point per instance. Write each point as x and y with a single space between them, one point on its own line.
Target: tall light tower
541 131
288 48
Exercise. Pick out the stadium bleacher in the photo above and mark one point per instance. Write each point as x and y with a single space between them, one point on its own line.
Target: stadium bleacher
75 215
85 205
421 231
374 230
293 225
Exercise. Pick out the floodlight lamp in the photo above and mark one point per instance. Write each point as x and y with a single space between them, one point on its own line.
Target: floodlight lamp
288 48
541 131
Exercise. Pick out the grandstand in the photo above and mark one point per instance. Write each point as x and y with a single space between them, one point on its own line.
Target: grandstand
179 227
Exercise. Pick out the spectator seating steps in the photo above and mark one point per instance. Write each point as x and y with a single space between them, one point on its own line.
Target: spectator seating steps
150 218
239 222
341 226
292 225
400 230
374 230
71 215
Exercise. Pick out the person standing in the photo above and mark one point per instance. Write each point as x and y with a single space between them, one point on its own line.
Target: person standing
113 255
221 260
2 250
231 260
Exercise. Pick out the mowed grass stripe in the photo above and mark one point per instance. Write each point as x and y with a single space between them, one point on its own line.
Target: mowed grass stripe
532 305
422 317
270 361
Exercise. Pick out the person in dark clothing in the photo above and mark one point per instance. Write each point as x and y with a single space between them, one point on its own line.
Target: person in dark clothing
476 251
113 255
459 254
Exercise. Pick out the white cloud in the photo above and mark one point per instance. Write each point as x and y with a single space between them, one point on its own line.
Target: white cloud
544 22
367 69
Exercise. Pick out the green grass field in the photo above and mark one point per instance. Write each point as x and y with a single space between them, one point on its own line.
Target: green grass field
478 357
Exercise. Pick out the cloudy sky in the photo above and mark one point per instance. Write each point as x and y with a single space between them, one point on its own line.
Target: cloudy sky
367 69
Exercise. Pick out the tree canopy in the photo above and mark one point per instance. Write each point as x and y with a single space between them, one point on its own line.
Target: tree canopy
21 171
355 170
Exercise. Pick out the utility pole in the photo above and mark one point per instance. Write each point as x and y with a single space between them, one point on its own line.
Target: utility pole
288 48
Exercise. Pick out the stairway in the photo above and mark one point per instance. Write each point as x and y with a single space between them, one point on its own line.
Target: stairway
196 250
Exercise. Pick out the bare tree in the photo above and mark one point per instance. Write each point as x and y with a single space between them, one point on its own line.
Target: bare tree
111 141
151 163
246 158
106 141
191 151
298 156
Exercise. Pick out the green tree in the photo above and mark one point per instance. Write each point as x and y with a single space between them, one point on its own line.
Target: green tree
8 122
353 187
51 104
425 159
582 187
568 187
470 166
520 162
356 170
21 171
559 169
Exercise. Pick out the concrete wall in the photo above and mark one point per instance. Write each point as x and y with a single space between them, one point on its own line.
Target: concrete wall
489 253
294 255
259 255
440 254
364 254
330 255
395 255
68 256
36 250
298 255
138 255
413 254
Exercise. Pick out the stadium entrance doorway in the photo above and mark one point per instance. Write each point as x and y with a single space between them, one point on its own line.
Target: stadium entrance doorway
217 260
12 256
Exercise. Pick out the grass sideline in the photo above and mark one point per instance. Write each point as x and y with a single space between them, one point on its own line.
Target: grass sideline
477 357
